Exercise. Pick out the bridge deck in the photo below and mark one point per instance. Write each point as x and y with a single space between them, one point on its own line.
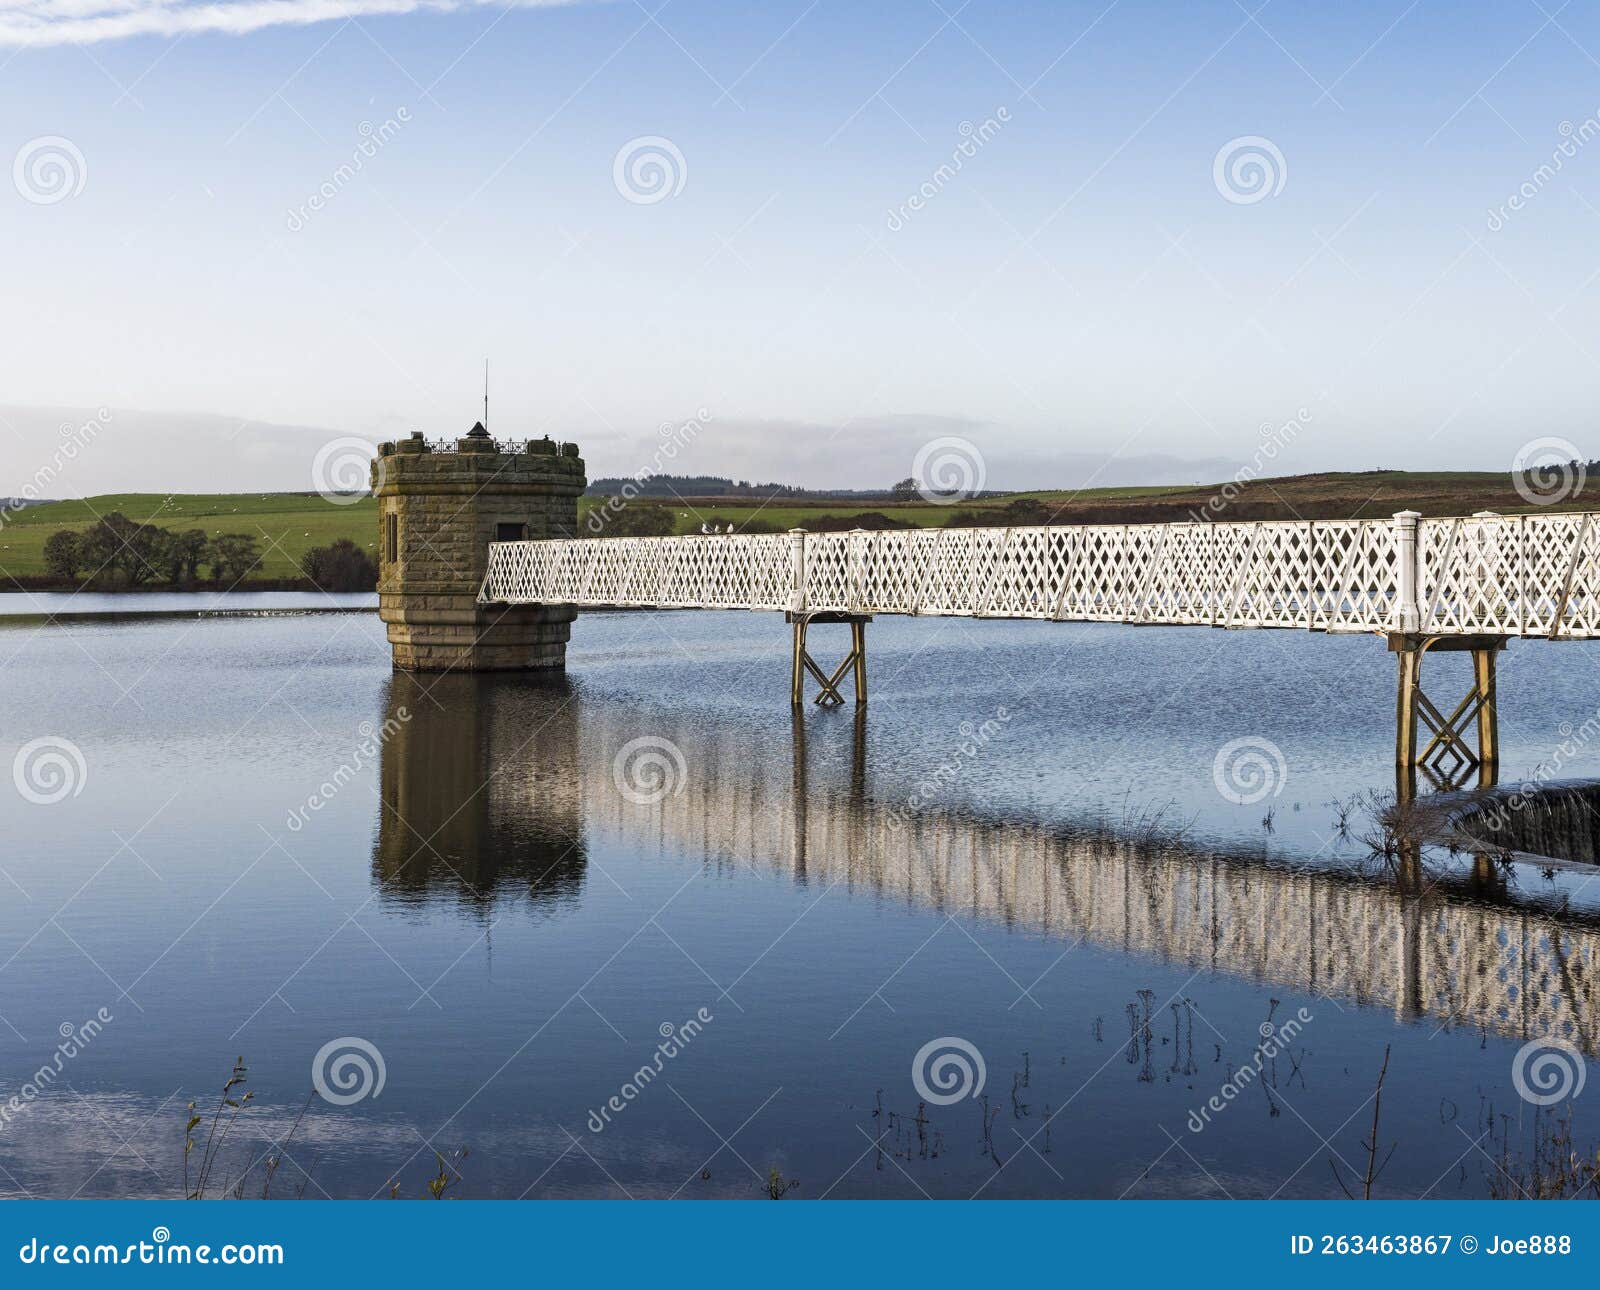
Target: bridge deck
1525 575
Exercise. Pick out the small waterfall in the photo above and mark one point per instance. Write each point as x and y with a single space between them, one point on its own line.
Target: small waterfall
1560 820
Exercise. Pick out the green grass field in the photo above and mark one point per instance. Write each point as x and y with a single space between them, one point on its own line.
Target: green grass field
286 525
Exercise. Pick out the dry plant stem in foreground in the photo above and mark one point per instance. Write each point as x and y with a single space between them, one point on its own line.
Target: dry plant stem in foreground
1374 1169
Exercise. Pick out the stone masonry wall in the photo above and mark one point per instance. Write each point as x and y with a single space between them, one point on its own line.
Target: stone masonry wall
449 507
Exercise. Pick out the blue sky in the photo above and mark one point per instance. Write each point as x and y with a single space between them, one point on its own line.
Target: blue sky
1081 287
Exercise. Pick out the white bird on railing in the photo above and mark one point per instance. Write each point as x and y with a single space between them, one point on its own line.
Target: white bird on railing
705 528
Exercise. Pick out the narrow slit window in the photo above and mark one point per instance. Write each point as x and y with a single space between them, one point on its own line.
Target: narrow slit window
391 537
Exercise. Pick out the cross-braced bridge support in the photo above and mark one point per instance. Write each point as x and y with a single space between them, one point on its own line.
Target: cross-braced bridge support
854 662
1448 757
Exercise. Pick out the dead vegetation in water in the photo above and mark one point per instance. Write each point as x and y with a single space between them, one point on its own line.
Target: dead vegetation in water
1370 1143
777 1185
1550 1169
213 1173
1343 809
1146 826
1396 829
1411 838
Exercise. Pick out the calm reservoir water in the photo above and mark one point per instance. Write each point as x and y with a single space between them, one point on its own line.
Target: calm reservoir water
503 892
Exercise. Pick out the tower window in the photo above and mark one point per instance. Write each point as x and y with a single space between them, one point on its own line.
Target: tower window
391 537
510 532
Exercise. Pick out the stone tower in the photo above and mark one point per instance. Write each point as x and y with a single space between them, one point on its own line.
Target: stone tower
438 510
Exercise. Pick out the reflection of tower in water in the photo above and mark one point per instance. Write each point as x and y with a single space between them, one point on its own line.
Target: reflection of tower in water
481 792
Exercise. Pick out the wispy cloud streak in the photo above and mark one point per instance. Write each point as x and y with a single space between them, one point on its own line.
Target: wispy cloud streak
82 22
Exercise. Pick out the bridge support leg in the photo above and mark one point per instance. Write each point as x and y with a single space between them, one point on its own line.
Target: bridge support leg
855 662
1483 680
1447 758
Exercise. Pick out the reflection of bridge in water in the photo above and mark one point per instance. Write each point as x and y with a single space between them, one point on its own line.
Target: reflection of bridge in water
519 786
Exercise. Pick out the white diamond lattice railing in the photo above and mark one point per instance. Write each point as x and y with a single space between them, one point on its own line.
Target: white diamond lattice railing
1524 575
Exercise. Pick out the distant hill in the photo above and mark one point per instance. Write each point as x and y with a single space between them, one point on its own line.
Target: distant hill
1373 494
686 486
1331 495
1316 496
716 486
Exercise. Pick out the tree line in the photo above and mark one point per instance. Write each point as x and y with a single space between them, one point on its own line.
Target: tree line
118 552
689 486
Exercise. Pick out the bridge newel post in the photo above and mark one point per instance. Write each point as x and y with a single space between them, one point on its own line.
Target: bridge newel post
1406 620
797 614
797 571
1407 615
858 569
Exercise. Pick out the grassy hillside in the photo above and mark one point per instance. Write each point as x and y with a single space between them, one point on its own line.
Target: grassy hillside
1351 495
1372 494
287 524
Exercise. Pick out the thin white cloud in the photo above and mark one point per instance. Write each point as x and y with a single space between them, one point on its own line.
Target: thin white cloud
83 22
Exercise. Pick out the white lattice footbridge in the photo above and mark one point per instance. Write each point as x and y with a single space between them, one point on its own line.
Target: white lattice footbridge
1463 583
1525 575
